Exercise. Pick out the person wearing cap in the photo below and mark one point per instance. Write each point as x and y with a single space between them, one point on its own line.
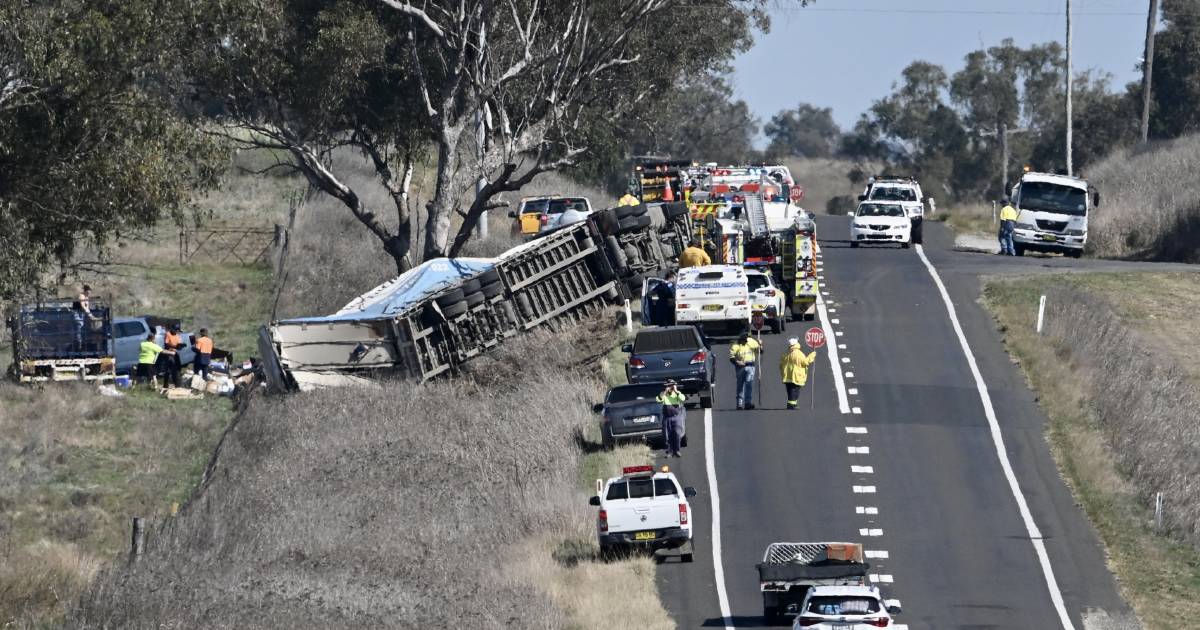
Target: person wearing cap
628 199
204 348
793 368
744 356
1008 223
674 415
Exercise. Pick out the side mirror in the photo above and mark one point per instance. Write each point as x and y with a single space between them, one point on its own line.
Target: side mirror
627 348
596 502
850 214
512 214
862 197
597 408
892 606
689 492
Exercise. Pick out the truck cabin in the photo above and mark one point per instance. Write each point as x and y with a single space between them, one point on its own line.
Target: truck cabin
1059 198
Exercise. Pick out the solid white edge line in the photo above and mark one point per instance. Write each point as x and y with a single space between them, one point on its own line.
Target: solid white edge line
718 565
838 381
1031 527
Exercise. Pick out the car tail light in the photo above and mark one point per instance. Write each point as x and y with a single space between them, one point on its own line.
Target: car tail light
636 363
683 514
739 302
738 199
699 357
809 621
545 219
879 622
603 520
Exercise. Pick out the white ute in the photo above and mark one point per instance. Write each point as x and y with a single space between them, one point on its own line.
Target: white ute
880 222
713 297
646 509
904 190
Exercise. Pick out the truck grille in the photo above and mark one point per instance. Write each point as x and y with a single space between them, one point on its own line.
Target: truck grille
878 227
1051 226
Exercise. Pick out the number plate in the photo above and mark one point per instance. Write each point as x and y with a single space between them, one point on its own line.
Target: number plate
1049 237
713 307
645 535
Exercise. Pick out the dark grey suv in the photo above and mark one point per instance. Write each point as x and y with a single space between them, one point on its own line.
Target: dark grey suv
673 352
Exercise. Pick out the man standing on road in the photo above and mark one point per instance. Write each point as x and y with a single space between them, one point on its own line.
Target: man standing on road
1008 223
674 415
744 356
694 256
793 367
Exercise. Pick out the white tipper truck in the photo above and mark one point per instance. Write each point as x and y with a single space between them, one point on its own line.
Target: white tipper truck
1053 213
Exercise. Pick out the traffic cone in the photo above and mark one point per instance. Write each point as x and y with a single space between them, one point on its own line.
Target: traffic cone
668 194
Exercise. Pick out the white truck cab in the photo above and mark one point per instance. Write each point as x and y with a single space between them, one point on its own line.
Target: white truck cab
644 508
1052 213
714 297
903 190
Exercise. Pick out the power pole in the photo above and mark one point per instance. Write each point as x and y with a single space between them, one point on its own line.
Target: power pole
1003 159
1148 68
1070 116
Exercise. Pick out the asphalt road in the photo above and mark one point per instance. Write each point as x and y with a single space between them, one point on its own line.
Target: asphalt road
958 551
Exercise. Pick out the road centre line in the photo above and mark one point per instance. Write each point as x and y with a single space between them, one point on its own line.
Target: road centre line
856 410
862 470
718 565
881 577
856 429
858 450
866 510
870 532
853 391
864 489
877 555
1031 527
849 374
839 382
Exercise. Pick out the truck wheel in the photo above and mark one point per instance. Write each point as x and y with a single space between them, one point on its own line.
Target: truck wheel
492 290
471 285
624 212
457 309
632 224
453 297
619 260
475 299
853 243
675 209
489 276
1019 250
685 557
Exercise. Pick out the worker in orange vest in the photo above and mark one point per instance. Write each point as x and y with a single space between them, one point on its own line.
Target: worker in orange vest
172 343
204 348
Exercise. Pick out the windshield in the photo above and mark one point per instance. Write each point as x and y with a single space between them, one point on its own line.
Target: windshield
534 205
756 281
665 340
559 206
1050 197
880 210
893 193
845 605
634 392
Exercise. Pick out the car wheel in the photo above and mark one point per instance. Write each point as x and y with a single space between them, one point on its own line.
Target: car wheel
853 243
686 557
1078 253
918 232
776 328
771 616
706 398
607 439
1019 250
904 245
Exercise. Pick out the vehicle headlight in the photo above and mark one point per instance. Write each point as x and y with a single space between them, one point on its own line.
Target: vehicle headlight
1074 232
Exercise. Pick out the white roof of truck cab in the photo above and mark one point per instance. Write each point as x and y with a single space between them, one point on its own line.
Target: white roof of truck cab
1061 180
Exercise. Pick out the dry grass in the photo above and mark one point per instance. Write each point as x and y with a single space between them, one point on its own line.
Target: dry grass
77 466
1150 203
973 219
1123 425
826 178
341 508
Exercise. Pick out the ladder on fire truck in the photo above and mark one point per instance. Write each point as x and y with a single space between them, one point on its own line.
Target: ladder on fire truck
752 205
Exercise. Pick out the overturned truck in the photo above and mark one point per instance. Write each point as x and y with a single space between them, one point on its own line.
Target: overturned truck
437 316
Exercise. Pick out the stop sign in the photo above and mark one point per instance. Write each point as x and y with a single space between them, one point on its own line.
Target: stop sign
757 320
815 337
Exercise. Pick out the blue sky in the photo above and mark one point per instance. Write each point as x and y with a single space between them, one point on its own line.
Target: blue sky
845 54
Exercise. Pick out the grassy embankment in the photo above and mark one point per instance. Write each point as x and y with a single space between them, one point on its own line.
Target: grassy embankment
76 465
1116 375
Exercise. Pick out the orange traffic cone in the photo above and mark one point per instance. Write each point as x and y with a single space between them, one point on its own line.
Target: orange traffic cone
668 194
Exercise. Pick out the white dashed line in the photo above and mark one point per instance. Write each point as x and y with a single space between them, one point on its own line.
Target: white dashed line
849 374
856 410
841 346
866 510
858 450
838 333
876 555
870 532
853 391
884 578
864 489
718 565
856 429
1035 535
862 470
845 359
835 321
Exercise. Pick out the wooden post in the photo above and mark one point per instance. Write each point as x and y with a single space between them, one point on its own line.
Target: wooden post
1148 68
137 541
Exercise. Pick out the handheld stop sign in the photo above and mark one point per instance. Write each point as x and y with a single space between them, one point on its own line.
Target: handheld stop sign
757 321
815 337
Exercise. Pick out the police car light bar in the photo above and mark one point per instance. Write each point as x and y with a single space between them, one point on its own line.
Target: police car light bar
635 470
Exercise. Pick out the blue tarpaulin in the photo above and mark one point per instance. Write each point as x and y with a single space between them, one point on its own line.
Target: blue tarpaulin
405 291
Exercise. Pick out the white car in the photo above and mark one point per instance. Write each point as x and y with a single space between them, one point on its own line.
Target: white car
880 222
714 297
845 608
904 190
767 298
644 508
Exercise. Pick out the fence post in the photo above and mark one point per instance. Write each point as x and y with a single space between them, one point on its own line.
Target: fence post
1158 512
993 213
137 541
628 318
1041 314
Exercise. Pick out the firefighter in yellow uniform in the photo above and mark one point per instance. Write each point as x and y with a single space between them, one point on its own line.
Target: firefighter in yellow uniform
628 199
694 256
744 356
793 368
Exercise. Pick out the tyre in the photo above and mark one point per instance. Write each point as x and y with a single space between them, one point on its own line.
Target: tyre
1019 250
453 297
606 551
904 245
686 557
777 325
525 306
782 323
1077 253
771 616
632 224
632 211
706 399
674 209
489 276
475 299
634 282
457 309
471 285
918 231
619 259
492 290
606 439
853 243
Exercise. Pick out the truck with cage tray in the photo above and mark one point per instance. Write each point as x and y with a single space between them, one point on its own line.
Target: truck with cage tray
789 569
60 340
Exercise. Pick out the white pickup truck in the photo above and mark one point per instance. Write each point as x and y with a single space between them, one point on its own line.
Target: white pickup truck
714 297
907 192
646 509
